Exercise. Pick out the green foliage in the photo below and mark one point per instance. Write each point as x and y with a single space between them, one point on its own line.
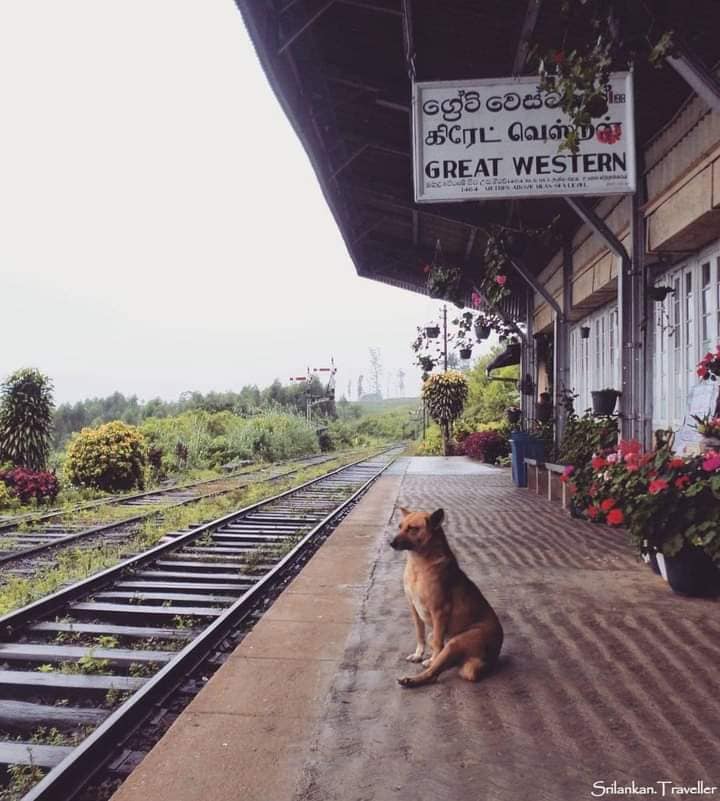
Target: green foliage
110 458
8 502
487 398
373 429
445 395
26 409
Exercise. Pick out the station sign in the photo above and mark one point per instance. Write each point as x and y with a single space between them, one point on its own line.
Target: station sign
501 138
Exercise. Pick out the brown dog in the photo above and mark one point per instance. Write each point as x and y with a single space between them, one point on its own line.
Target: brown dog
465 629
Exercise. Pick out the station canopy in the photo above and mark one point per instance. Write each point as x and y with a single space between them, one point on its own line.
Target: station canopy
340 69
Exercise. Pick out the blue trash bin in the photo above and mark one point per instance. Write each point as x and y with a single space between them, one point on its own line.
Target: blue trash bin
524 446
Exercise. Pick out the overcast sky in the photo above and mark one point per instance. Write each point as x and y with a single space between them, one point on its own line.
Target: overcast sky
161 227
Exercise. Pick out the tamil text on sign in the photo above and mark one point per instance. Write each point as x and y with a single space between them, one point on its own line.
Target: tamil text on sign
502 138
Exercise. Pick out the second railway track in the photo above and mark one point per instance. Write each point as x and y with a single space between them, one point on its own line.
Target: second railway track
27 542
83 667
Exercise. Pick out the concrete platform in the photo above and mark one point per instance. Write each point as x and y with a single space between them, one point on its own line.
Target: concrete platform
605 675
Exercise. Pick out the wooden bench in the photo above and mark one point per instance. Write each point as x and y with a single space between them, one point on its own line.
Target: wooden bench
544 479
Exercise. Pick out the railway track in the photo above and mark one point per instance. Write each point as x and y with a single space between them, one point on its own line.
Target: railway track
25 541
82 668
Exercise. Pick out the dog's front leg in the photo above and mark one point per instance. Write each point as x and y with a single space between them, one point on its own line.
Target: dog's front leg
437 640
419 635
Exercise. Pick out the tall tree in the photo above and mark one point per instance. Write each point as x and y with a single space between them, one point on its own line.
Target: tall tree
26 417
376 371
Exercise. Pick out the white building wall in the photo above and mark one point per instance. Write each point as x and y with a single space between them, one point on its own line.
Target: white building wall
687 326
594 362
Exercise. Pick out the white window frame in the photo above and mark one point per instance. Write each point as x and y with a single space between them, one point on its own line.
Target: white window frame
679 339
594 362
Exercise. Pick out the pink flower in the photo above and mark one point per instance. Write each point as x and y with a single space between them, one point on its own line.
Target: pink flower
501 280
592 511
598 462
659 484
476 300
613 458
711 463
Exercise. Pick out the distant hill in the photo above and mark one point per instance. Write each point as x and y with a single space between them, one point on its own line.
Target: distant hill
368 404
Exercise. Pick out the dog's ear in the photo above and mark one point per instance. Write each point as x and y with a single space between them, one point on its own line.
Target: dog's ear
404 512
436 518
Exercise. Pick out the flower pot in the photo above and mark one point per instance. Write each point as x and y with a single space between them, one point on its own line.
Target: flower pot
709 444
692 572
604 401
465 353
482 332
513 415
584 332
432 331
543 412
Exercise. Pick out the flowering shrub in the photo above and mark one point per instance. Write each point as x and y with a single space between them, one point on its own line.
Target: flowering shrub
488 446
27 485
667 500
708 426
109 458
709 366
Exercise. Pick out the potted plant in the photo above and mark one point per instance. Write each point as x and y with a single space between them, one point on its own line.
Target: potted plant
709 366
604 401
465 353
432 331
444 282
669 505
426 363
584 331
544 408
709 429
513 414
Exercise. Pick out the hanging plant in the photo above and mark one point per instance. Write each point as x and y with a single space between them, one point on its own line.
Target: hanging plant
445 395
579 79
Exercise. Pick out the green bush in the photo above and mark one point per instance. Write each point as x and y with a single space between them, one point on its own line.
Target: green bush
26 410
8 502
109 458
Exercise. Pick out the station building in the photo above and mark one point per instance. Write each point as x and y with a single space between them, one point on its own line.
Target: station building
586 309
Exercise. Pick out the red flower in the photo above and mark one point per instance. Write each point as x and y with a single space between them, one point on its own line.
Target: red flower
702 371
598 463
616 517
558 56
501 280
592 511
677 463
627 446
657 486
681 482
607 504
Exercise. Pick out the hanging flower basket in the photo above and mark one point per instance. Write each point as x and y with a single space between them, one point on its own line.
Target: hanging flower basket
544 408
432 331
482 332
604 401
465 353
426 363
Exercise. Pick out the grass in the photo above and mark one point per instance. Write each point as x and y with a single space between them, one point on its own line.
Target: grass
75 564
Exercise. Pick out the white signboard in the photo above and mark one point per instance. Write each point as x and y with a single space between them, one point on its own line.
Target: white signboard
702 399
500 138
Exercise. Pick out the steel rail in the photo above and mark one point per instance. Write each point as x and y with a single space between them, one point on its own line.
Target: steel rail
114 500
59 542
76 769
